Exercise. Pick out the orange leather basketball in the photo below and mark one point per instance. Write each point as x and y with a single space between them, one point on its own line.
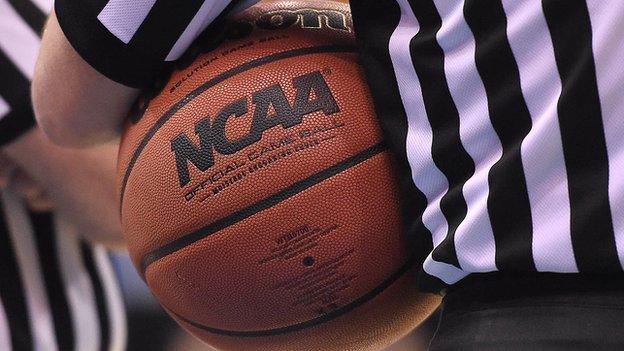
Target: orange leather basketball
258 198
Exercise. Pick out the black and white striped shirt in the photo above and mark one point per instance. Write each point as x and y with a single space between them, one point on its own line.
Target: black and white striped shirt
508 117
131 41
56 291
505 115
21 22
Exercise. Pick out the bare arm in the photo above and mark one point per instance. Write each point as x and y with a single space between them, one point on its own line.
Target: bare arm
79 182
93 59
74 104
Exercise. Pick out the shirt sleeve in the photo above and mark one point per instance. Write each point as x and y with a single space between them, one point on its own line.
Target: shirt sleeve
130 41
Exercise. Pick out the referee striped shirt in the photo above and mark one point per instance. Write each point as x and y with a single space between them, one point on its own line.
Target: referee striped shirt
56 291
508 117
21 22
505 115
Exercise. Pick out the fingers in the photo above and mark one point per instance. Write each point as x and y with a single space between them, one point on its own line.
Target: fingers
40 202
34 195
20 182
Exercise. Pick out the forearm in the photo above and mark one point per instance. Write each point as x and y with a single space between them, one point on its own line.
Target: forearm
81 183
74 104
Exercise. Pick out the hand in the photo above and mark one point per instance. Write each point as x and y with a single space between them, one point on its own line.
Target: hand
81 184
24 185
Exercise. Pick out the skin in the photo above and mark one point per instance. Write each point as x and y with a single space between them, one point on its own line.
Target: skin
74 104
18 180
78 183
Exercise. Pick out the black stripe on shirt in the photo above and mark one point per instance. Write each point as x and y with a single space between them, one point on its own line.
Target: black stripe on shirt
12 293
30 13
15 90
157 35
15 87
582 134
374 23
43 226
16 122
508 201
447 150
431 283
98 289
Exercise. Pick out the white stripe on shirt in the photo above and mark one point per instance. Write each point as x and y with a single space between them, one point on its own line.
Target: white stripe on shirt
474 239
5 332
208 11
607 33
17 40
40 317
4 108
80 294
425 173
123 18
44 5
114 301
545 171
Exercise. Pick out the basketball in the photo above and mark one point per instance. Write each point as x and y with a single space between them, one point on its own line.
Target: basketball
258 198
